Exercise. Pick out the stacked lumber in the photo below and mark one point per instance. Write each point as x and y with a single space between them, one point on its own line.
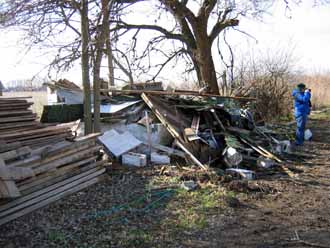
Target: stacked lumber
41 163
33 178
18 126
15 115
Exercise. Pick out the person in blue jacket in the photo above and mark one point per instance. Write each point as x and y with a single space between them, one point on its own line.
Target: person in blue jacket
302 106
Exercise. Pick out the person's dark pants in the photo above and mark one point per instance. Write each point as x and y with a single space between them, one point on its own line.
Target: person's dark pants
300 132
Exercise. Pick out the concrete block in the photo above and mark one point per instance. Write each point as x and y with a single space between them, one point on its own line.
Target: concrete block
134 159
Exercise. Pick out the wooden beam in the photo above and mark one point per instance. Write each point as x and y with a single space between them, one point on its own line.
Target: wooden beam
40 195
69 159
50 200
180 93
8 188
172 131
13 154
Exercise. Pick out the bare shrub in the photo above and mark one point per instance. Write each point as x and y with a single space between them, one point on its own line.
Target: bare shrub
268 80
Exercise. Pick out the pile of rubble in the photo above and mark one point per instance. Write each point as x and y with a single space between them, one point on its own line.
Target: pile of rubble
205 130
41 163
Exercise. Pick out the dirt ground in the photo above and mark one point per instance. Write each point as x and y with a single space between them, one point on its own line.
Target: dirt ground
146 208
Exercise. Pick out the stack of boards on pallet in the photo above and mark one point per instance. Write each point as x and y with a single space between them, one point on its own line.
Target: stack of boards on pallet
38 168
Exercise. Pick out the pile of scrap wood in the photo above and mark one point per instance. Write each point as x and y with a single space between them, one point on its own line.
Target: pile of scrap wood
40 164
209 130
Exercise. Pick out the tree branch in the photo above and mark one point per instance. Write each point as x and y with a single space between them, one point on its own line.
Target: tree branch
168 34
220 26
206 9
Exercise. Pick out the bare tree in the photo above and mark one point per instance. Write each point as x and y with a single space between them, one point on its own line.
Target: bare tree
46 21
198 24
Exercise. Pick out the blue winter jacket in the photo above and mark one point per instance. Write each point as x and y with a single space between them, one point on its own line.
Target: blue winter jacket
301 102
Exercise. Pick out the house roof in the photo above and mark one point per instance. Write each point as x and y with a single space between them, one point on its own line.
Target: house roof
1 85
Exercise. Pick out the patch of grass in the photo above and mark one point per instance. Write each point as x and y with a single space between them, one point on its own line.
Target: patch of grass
190 219
163 181
322 115
136 238
193 208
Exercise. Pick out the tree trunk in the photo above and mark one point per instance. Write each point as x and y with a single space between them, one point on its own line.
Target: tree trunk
96 87
110 57
85 66
99 48
203 57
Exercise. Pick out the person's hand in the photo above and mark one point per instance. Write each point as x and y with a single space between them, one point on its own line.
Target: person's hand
308 90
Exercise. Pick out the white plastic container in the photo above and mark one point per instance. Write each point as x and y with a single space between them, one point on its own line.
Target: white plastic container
233 157
308 134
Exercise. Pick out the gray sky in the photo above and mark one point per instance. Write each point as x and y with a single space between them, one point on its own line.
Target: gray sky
307 31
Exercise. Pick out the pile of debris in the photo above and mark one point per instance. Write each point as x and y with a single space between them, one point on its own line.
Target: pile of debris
205 130
40 164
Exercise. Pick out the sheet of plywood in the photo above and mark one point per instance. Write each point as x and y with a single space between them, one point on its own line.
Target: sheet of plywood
119 144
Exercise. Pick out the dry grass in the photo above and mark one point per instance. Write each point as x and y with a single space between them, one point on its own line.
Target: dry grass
320 86
39 98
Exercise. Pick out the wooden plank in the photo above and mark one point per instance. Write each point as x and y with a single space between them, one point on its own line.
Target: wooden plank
218 119
5 98
15 113
46 140
191 156
159 115
18 119
11 146
65 146
190 134
195 123
65 160
23 162
16 130
40 195
50 178
172 131
20 124
239 130
10 155
15 173
37 131
19 174
39 135
87 137
15 104
50 200
61 153
180 93
170 151
8 188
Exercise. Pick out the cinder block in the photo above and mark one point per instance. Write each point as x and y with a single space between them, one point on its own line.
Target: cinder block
134 159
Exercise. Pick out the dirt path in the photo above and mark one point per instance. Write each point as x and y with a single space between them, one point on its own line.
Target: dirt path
299 209
126 211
